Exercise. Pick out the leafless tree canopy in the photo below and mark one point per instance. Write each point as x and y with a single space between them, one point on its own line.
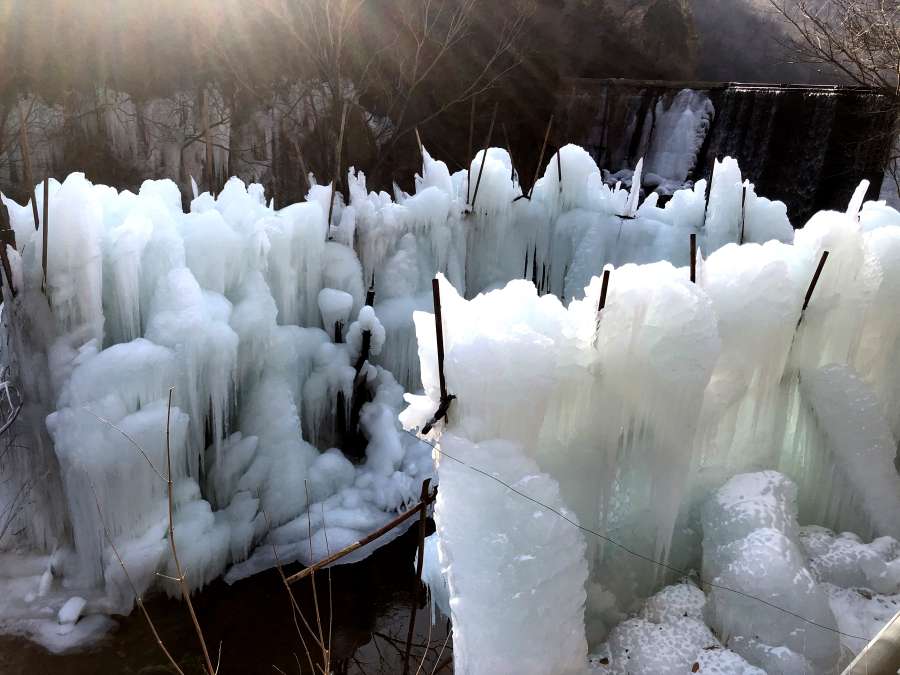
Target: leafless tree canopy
860 39
381 62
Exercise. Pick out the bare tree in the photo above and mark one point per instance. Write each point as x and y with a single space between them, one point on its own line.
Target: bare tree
857 39
860 39
339 59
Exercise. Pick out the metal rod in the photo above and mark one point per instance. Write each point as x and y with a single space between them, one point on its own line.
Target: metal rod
537 172
420 563
469 157
815 280
487 145
45 223
368 539
743 213
603 290
693 258
559 167
512 165
439 335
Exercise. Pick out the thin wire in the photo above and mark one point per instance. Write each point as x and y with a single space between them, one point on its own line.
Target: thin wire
664 565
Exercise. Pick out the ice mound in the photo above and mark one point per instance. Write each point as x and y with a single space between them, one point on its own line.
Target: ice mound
843 560
669 637
640 646
767 563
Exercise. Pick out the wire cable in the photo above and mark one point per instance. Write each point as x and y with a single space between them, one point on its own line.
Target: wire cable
629 551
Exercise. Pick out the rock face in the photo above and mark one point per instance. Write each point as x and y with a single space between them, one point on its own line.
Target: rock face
609 38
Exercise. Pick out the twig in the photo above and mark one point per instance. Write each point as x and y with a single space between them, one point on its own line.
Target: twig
337 163
537 171
295 608
437 664
325 656
130 439
427 646
207 140
138 599
185 592
421 150
512 164
26 159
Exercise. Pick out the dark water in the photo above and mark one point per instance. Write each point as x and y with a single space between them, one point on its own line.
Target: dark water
252 620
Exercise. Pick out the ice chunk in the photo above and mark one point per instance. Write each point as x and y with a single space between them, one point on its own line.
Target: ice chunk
669 648
71 611
765 563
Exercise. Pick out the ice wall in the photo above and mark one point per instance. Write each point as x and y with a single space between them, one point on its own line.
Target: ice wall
283 424
638 411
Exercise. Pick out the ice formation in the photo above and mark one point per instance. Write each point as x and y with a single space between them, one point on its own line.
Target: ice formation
641 410
287 378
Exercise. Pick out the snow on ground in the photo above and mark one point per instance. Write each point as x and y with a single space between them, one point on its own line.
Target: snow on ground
286 386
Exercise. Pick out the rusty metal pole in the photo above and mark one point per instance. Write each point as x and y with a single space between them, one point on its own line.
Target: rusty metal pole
471 141
420 562
812 285
487 145
559 167
815 280
45 223
603 290
446 399
537 171
693 258
439 334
